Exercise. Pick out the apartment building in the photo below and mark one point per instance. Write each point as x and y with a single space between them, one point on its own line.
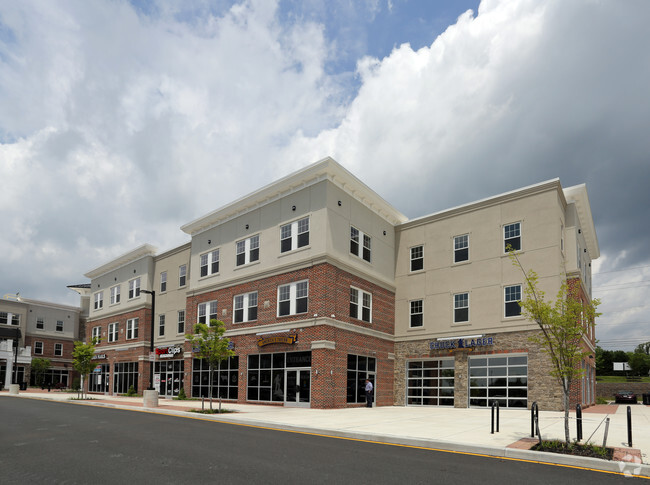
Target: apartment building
321 284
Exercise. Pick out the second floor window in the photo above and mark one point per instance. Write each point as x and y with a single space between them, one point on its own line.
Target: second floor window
294 235
99 300
461 248
131 328
163 281
161 325
415 317
40 323
360 305
359 244
512 298
115 294
181 321
59 325
112 332
245 307
293 298
461 307
417 258
134 288
182 275
97 333
58 350
512 236
248 250
207 311
209 263
38 348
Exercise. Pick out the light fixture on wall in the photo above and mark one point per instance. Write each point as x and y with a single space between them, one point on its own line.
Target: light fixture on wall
384 233
340 203
209 241
246 226
293 207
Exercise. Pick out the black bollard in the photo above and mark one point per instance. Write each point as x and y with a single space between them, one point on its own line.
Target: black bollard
492 411
534 412
579 421
497 403
629 426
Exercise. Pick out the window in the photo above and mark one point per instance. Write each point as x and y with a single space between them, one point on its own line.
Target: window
161 325
97 333
360 305
38 348
498 378
416 314
360 367
210 263
512 236
59 325
58 350
245 307
356 237
163 281
181 321
131 328
417 258
182 275
512 297
4 318
461 248
115 294
293 298
99 300
207 311
134 288
430 382
15 319
294 235
40 323
248 250
112 332
461 307
125 375
225 378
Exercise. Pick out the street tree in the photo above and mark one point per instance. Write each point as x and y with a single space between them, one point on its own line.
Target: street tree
208 343
82 360
564 323
639 363
40 367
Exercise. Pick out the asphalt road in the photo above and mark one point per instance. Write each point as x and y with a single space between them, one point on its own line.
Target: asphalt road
50 442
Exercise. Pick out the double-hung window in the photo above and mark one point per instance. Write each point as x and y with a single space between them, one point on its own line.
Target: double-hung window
161 325
112 332
163 281
134 288
97 333
115 294
131 328
59 326
461 307
359 244
461 248
99 300
245 307
415 317
417 258
40 323
293 298
182 275
210 263
181 321
58 350
512 237
512 298
294 235
248 250
360 305
207 311
38 348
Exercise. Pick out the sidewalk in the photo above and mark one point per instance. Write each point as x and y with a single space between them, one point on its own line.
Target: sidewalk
460 430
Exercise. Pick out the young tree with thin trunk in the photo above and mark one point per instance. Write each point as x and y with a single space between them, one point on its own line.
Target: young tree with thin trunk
564 324
40 367
208 343
82 360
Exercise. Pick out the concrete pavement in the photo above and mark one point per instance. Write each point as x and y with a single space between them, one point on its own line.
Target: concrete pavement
459 430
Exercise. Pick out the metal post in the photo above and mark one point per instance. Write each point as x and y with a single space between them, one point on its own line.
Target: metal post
534 411
492 431
629 426
153 324
497 403
606 430
579 422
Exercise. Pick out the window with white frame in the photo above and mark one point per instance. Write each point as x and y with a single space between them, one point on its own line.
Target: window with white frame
207 311
512 298
294 235
132 328
182 275
40 323
38 348
461 307
360 305
15 319
461 248
134 288
115 294
416 314
99 300
512 236
112 332
248 250
293 298
59 325
359 243
245 307
161 325
58 350
97 333
181 322
163 281
209 263
417 258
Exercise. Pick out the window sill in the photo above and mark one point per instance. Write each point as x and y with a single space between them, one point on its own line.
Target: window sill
247 265
417 271
206 277
293 251
462 263
461 324
415 329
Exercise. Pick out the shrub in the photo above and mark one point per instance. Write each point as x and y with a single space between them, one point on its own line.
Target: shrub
131 392
181 395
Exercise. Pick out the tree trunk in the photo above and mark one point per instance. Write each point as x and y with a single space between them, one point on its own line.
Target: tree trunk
565 389
211 384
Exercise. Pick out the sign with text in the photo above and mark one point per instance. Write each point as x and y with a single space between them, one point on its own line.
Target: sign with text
277 339
169 352
461 343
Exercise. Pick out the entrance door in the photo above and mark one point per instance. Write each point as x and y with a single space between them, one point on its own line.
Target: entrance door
298 387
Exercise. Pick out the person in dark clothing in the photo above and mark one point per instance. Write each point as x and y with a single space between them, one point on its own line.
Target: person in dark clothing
369 391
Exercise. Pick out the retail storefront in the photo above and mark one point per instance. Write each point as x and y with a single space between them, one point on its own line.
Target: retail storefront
169 370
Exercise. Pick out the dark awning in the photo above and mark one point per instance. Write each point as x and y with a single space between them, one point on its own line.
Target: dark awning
10 333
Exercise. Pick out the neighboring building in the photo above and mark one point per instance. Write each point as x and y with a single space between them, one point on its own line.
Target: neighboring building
321 283
47 330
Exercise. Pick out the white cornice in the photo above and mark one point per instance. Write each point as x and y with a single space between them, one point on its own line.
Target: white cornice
578 195
126 258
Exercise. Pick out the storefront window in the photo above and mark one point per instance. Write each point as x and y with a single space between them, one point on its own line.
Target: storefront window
266 377
125 375
360 368
503 379
171 376
98 380
225 378
430 382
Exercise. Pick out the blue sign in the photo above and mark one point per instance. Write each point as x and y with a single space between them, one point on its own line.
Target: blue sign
461 343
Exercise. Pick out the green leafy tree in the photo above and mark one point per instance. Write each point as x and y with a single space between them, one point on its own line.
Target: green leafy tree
208 343
82 360
40 367
639 363
643 348
564 324
604 362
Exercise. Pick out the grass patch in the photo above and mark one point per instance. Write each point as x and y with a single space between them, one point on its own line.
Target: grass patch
212 411
81 399
576 449
602 400
621 379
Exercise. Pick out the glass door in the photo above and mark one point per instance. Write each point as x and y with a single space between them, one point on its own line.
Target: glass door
298 387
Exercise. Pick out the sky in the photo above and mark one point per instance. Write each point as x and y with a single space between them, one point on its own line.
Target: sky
121 121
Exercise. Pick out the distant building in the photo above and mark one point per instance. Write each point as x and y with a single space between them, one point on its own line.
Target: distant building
321 283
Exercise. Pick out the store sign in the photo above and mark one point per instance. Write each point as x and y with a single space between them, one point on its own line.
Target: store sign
99 357
278 339
461 343
98 368
168 352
